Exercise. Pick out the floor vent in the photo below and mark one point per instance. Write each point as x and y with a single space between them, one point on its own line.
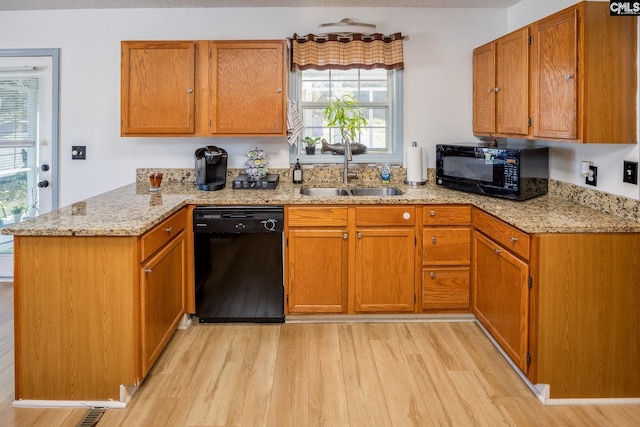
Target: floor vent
92 418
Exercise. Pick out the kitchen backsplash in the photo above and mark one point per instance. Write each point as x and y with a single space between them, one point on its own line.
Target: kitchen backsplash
618 205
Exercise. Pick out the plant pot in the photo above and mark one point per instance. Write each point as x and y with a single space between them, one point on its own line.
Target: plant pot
17 218
310 149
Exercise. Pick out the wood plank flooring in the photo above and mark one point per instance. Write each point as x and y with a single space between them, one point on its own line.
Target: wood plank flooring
329 374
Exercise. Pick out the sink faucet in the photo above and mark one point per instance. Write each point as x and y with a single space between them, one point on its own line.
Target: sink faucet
348 156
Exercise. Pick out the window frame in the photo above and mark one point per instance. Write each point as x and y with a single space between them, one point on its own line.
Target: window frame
395 120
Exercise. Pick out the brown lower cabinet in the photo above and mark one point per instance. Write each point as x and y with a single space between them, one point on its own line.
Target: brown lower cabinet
94 313
562 306
347 259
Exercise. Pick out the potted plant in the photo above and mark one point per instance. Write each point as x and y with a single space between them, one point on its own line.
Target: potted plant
345 114
310 144
17 213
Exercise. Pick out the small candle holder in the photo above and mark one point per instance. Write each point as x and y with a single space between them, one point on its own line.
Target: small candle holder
155 180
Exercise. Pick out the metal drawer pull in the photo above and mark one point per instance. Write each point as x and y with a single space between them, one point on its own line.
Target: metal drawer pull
432 213
513 239
434 240
169 230
345 236
148 270
497 251
359 235
433 275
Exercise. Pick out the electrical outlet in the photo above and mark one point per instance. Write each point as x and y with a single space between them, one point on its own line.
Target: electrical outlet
78 152
630 172
592 180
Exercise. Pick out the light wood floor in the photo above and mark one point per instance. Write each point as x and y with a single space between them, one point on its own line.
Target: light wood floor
332 374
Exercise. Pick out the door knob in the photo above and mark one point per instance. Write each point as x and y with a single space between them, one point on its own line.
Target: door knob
44 183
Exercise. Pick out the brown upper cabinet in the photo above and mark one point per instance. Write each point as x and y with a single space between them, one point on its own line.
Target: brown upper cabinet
158 88
582 79
501 85
203 88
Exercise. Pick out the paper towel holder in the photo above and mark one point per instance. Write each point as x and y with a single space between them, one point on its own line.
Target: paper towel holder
421 165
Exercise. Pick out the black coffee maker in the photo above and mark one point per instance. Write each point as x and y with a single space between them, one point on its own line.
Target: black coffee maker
211 168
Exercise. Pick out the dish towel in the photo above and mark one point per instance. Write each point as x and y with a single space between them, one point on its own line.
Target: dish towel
294 124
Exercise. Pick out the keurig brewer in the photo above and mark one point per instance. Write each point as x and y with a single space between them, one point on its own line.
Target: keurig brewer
211 168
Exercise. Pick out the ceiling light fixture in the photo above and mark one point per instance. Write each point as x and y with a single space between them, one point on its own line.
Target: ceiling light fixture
347 26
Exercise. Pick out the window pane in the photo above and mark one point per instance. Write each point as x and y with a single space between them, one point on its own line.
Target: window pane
371 89
344 74
375 74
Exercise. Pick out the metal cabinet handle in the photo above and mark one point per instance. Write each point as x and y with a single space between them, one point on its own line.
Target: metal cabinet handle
148 270
279 90
497 88
490 90
169 230
432 213
433 275
359 235
434 240
497 251
568 76
513 239
345 236
189 90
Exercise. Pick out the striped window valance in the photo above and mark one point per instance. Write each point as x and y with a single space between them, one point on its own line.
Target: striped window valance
345 52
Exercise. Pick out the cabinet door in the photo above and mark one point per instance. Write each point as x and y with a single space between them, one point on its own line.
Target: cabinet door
484 84
446 245
157 90
554 87
512 83
163 284
384 269
445 288
500 296
317 271
247 82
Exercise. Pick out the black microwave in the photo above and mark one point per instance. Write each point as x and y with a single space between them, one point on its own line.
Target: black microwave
507 172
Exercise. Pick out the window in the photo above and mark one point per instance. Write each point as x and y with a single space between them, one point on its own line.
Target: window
378 92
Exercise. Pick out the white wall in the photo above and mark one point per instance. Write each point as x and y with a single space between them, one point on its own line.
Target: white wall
437 81
437 76
565 157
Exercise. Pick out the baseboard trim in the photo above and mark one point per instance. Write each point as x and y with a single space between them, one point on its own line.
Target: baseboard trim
107 404
364 318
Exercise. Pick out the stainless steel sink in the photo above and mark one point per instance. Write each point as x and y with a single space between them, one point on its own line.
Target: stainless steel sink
376 191
355 191
324 191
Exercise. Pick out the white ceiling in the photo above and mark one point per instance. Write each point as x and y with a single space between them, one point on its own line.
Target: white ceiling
122 4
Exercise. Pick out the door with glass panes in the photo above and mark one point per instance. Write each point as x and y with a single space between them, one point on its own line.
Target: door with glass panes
27 141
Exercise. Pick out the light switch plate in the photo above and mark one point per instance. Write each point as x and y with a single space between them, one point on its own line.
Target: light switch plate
78 152
630 172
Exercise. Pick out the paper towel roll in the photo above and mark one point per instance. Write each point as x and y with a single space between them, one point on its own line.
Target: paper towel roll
416 165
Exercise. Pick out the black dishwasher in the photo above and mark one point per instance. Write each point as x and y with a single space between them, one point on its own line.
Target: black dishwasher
239 263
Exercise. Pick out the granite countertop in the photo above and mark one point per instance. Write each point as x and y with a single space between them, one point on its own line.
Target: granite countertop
132 210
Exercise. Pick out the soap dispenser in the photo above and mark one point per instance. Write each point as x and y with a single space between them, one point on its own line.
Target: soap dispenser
297 172
385 174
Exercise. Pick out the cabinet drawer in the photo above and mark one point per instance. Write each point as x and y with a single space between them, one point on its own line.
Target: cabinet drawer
446 215
445 288
317 216
385 215
155 238
509 237
446 245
